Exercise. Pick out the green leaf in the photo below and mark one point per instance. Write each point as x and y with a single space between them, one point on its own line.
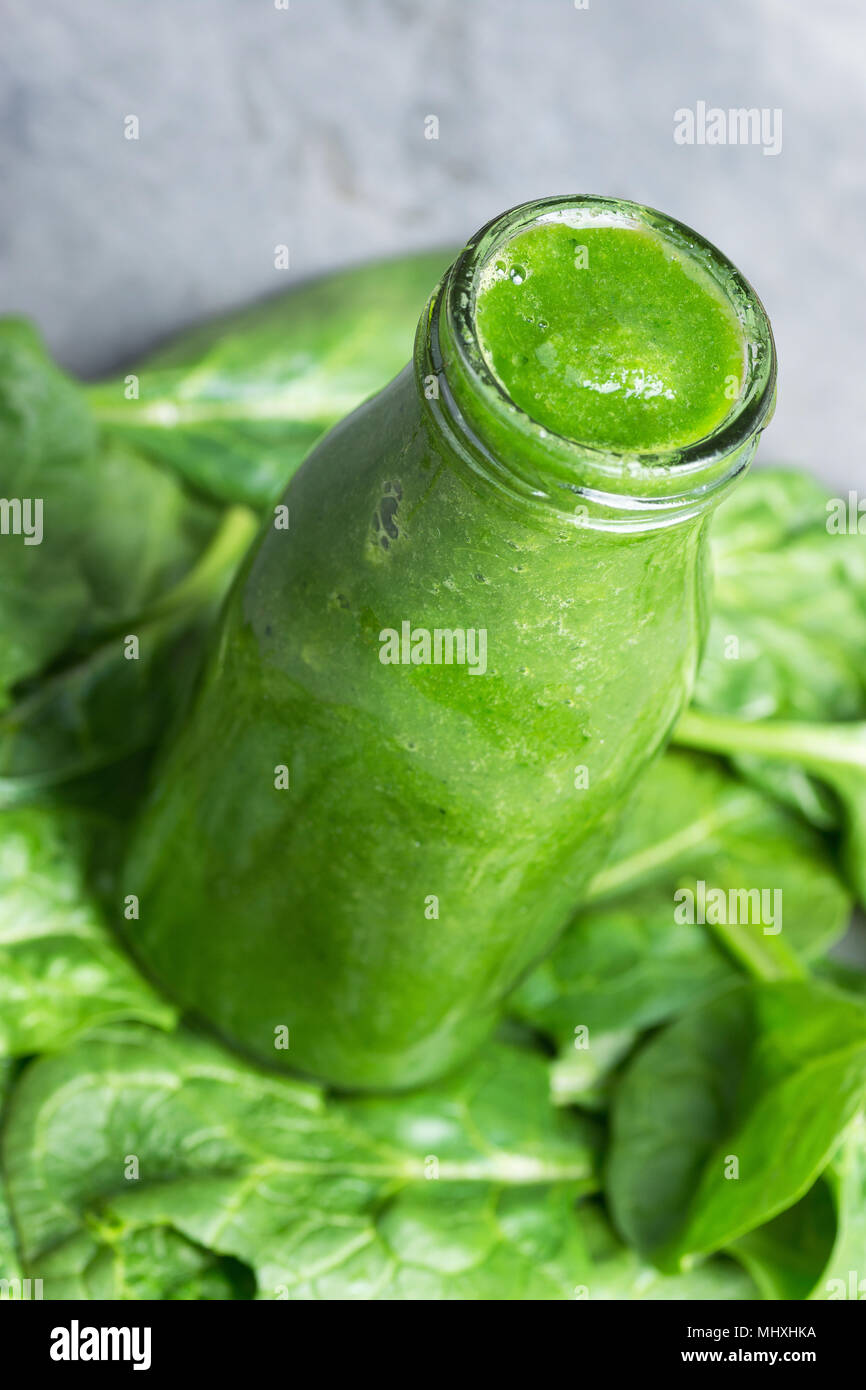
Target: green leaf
845 976
235 406
835 753
787 703
817 1249
9 1265
104 707
149 1262
628 1279
768 1076
116 530
470 1189
794 598
786 1257
322 1200
620 1274
845 1274
60 972
620 967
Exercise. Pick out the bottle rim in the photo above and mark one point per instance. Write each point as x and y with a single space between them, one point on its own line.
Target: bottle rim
539 458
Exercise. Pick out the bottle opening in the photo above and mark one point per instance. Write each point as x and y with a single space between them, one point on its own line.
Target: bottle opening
609 334
599 346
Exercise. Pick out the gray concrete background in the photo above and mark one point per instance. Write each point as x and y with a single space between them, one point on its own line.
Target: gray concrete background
261 126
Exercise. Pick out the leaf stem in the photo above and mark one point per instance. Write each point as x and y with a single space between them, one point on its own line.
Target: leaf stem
834 753
214 569
763 957
819 747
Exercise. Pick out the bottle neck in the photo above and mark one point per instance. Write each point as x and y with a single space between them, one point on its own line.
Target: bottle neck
557 477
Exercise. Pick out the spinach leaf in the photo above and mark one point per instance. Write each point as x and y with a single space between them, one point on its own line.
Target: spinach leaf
9 1266
846 977
619 1273
787 640
116 530
465 1190
845 1274
691 818
817 1249
835 753
470 1189
60 972
104 707
793 597
787 1256
728 1116
148 1262
626 964
235 406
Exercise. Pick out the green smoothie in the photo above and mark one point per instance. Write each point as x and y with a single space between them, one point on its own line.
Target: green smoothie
610 336
451 652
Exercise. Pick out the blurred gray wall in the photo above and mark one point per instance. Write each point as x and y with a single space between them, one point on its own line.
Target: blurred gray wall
306 127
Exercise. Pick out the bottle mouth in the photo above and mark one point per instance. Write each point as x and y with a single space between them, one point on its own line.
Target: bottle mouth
596 485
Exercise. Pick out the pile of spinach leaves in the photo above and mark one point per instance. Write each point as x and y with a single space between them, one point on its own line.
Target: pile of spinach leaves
670 1110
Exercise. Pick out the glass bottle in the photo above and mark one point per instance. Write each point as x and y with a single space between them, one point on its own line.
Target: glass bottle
357 846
